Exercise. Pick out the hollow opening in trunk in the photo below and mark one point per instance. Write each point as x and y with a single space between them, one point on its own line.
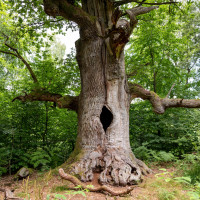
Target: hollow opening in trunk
106 118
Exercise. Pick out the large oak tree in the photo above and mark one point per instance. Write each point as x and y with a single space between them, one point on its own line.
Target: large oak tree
103 104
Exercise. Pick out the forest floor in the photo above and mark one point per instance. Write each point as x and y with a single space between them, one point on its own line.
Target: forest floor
160 185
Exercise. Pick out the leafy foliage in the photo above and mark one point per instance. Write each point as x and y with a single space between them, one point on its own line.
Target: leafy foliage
40 158
164 50
171 132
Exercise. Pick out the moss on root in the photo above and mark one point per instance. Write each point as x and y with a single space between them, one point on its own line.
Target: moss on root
75 156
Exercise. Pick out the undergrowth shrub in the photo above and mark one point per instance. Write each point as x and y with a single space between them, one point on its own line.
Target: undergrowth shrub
4 157
194 172
144 153
189 166
175 131
189 170
190 158
166 195
20 159
3 170
164 156
41 160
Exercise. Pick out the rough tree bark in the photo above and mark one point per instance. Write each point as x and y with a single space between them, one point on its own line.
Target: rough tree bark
103 108
103 105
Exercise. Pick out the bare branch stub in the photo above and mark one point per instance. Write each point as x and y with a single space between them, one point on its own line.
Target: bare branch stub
168 94
140 10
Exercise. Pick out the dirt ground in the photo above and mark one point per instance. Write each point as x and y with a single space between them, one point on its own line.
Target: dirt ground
51 186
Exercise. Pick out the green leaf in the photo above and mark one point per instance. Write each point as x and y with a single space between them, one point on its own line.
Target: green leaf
60 196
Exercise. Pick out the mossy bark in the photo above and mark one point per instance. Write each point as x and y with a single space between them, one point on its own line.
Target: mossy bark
103 119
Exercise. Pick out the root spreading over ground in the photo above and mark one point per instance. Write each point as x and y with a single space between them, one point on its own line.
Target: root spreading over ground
9 195
102 188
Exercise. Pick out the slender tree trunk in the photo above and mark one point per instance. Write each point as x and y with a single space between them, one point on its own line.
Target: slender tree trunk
44 135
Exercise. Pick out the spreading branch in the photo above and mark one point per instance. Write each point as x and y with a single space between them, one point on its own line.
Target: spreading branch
7 52
138 11
68 11
161 104
66 101
120 3
16 53
70 102
104 188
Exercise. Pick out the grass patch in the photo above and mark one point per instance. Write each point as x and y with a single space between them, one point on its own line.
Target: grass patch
164 194
59 188
162 186
21 194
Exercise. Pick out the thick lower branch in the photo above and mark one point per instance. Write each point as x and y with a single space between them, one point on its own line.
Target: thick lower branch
161 104
69 11
66 101
105 188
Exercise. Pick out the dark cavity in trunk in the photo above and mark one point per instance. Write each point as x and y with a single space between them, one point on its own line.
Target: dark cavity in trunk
106 118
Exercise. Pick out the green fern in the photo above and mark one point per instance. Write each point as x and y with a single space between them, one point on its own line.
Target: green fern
166 157
4 155
41 160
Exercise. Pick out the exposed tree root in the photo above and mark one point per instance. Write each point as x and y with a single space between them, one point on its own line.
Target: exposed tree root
103 188
144 168
9 195
119 169
116 167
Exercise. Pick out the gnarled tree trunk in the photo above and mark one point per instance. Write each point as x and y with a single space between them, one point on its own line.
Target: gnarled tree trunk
103 112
